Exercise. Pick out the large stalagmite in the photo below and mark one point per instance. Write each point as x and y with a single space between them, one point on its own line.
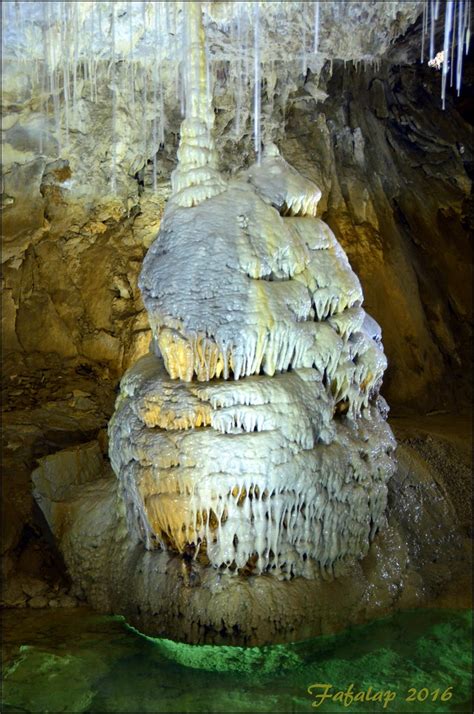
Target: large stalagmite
267 450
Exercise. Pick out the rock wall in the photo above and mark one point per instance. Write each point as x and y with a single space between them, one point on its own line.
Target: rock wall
70 289
395 173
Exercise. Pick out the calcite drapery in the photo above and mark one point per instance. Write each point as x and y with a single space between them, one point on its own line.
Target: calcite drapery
232 287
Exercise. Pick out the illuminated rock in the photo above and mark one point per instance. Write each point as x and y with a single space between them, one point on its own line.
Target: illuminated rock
267 450
233 288
243 458
254 476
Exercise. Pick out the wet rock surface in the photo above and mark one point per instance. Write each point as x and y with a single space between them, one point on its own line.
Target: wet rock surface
444 444
420 558
395 172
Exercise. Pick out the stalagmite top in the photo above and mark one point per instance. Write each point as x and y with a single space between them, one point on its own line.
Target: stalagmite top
196 178
280 185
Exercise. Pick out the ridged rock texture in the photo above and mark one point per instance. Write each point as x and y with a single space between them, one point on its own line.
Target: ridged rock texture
254 438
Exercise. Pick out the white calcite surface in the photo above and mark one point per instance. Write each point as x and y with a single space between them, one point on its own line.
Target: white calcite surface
233 288
254 474
253 439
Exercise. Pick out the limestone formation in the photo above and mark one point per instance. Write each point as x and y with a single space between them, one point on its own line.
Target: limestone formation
251 466
165 594
236 459
254 476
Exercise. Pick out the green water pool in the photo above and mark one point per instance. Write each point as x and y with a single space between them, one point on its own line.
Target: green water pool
77 661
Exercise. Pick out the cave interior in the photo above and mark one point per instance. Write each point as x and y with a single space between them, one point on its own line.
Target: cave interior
371 102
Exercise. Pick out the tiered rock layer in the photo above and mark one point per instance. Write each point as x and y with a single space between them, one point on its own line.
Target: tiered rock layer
258 443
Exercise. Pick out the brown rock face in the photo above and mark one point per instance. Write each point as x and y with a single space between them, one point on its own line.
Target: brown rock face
75 294
395 171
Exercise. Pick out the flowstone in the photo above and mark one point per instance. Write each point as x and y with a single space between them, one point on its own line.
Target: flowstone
257 443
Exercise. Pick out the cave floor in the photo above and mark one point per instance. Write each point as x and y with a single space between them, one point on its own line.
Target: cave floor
80 661
455 428
444 441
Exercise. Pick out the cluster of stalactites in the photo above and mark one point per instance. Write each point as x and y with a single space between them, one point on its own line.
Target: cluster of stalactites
63 45
352 363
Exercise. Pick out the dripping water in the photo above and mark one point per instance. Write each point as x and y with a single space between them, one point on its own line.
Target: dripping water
316 26
455 39
467 22
93 57
65 68
43 103
52 59
90 57
76 36
257 80
182 95
76 58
